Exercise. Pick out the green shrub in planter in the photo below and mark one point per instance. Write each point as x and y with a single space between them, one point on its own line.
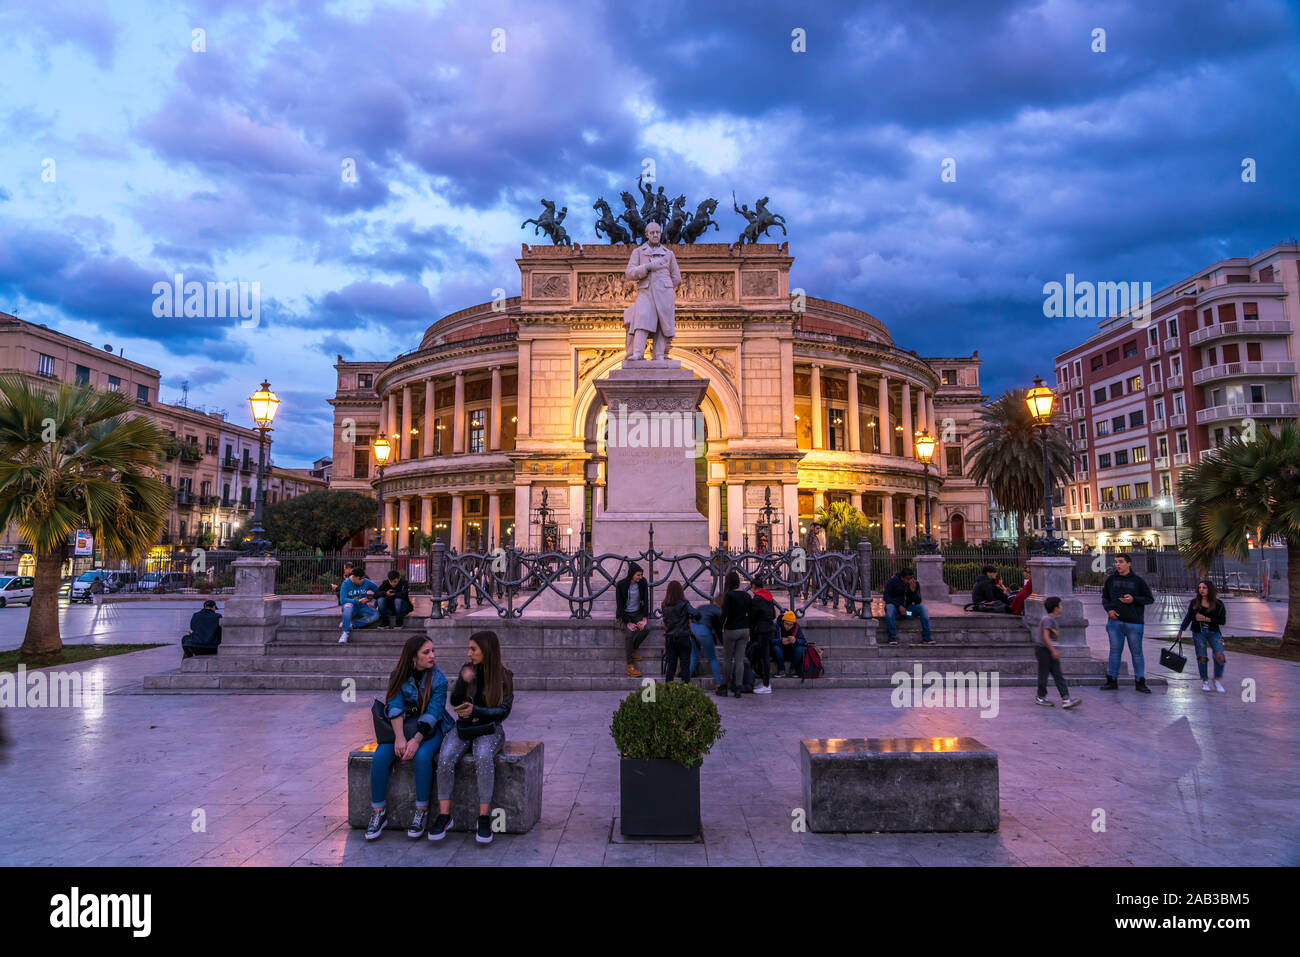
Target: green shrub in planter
679 723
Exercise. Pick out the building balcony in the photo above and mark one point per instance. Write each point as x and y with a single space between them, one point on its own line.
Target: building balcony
1153 352
1182 458
1206 453
1178 421
1242 327
1171 344
1156 425
1248 410
1174 381
1155 387
1160 462
1075 383
1239 290
1077 414
1236 370
1080 445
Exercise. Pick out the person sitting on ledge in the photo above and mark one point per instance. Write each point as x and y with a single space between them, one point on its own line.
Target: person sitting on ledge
347 573
415 687
987 595
677 613
632 599
788 647
1018 602
483 695
902 597
357 596
394 600
204 636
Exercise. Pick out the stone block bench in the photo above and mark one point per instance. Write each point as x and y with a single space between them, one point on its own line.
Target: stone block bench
518 789
899 784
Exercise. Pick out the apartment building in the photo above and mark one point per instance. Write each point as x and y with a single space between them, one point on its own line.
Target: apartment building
1145 398
210 463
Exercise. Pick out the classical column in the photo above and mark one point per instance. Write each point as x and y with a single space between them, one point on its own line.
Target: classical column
458 420
426 514
790 505
430 423
887 521
817 425
886 434
929 414
406 423
494 419
715 513
390 523
524 392
907 419
577 512
855 499
909 517
494 520
458 521
390 427
523 500
735 514
403 523
819 502
855 431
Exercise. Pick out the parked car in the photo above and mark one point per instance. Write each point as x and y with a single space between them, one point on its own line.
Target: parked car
121 581
88 583
16 590
164 581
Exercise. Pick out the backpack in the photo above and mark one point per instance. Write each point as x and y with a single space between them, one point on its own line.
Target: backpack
811 666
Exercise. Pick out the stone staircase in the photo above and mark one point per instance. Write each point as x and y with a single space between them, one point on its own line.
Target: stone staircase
562 654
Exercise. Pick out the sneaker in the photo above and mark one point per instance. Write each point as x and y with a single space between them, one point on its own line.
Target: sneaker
721 691
927 641
1110 684
378 818
484 833
1205 686
1141 685
892 641
383 623
1070 702
401 623
418 823
762 689
440 826
633 671
1044 702
343 637
1218 686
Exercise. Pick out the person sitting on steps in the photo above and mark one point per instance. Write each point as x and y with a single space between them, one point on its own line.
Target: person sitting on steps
987 595
394 600
357 598
632 599
903 598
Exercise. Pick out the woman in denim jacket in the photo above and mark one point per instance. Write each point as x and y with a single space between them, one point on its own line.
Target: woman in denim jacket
416 686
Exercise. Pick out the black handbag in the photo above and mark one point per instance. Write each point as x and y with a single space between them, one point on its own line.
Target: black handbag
384 726
468 732
1171 659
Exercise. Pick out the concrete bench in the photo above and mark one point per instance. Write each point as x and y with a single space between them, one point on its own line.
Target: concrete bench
518 789
899 784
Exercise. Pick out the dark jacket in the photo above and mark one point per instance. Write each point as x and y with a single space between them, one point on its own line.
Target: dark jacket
205 630
1217 617
388 589
897 593
620 598
800 639
677 622
735 610
483 714
762 615
1130 584
986 589
710 616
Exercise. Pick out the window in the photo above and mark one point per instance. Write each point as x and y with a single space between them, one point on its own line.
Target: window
1207 316
953 455
1167 519
1257 393
1135 419
1135 384
1112 355
1216 397
1155 372
1252 352
477 430
1211 356
1107 521
210 445
1073 496
1232 352
1142 489
1182 443
1126 521
1166 483
1087 496
1162 446
1089 524
365 380
83 375
360 456
1159 409
114 384
1173 328
1117 424
1095 362
1078 399
1121 457
1175 365
1123 492
142 394
1103 428
1144 520
1130 349
1103 460
1099 395
1107 494
1075 524
948 377
1116 389
45 365
1139 453
1153 335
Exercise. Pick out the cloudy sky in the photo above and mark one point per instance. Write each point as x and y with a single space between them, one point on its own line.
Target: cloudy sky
127 156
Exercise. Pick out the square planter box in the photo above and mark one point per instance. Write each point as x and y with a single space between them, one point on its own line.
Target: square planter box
659 798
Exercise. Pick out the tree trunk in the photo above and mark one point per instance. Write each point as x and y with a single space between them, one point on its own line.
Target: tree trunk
42 644
1291 633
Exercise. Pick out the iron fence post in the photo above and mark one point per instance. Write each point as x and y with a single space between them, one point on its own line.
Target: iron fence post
435 579
864 578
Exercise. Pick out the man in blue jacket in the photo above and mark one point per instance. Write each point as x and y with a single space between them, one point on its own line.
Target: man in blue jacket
1124 596
204 635
357 596
903 597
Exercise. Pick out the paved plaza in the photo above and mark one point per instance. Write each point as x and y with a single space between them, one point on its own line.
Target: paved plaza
1181 777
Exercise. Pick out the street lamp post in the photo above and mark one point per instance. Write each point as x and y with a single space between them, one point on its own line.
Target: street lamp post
382 449
1040 401
264 404
924 444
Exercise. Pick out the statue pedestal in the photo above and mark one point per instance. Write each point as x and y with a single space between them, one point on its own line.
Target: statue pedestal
652 449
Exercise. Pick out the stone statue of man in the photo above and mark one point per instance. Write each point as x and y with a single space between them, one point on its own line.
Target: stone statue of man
654 267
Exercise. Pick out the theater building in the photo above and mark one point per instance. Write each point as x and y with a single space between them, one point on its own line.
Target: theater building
496 423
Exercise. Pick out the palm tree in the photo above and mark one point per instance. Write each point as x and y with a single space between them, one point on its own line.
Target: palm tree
1246 486
74 458
1007 454
843 524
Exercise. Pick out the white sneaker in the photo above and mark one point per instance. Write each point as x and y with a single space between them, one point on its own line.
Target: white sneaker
343 640
762 689
1218 686
1070 702
1205 686
1044 702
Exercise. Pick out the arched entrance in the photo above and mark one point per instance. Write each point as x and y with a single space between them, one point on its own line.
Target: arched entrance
957 527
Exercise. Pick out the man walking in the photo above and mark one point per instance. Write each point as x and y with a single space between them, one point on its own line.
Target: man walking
1124 596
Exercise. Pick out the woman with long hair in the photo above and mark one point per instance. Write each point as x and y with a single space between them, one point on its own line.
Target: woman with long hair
677 613
1207 615
415 687
482 697
735 632
632 606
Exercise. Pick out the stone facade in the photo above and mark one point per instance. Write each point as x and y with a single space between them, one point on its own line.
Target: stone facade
499 404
